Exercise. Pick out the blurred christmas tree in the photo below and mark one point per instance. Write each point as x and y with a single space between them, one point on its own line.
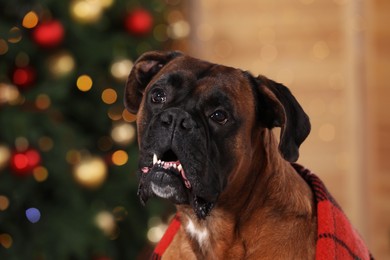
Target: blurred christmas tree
67 145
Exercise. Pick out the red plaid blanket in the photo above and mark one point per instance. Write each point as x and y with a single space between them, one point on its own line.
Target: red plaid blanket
336 238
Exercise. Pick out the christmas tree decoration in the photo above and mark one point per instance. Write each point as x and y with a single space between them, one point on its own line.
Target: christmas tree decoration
123 133
30 20
139 22
23 163
87 11
120 69
33 215
24 77
61 64
9 94
5 155
49 34
91 172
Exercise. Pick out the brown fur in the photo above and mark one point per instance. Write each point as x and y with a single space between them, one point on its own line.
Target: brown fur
266 212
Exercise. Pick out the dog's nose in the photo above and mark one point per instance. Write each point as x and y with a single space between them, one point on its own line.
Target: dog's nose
175 117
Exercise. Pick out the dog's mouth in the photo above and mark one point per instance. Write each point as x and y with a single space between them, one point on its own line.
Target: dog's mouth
165 177
168 163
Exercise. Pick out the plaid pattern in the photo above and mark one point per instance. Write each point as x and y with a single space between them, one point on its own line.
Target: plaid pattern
336 238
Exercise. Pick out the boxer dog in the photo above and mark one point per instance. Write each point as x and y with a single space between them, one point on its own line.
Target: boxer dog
206 144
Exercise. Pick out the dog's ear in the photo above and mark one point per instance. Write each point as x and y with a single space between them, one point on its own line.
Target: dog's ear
279 108
144 69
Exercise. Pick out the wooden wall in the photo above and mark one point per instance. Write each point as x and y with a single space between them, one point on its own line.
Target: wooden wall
334 56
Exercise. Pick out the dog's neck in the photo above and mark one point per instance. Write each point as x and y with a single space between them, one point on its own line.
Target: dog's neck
278 197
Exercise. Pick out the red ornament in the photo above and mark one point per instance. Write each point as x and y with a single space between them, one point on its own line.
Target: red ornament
24 77
139 22
22 163
49 34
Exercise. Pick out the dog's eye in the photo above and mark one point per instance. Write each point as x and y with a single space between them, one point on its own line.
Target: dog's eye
159 96
219 116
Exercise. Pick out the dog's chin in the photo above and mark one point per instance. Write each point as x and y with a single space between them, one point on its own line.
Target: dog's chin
168 185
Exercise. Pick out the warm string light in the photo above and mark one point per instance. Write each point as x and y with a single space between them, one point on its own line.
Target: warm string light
3 47
90 172
120 69
40 174
119 158
156 229
9 94
61 64
15 35
84 83
109 96
30 20
6 240
4 203
123 133
106 222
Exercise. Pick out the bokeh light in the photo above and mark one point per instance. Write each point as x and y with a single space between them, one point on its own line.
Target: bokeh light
40 174
86 11
4 203
120 213
123 133
30 20
128 117
84 83
45 143
3 47
109 96
155 233
120 69
21 143
42 101
33 215
15 35
6 240
9 94
106 222
5 155
61 64
119 158
90 172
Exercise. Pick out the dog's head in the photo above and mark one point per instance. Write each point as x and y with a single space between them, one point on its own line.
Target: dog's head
196 121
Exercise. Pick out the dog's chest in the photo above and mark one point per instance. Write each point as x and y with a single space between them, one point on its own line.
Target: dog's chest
200 234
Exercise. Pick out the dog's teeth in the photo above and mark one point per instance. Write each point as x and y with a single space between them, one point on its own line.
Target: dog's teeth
154 159
174 165
159 161
179 167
